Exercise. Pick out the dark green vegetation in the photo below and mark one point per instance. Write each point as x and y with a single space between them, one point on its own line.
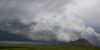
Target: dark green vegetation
49 47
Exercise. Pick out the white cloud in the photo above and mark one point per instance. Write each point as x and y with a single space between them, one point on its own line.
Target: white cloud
63 20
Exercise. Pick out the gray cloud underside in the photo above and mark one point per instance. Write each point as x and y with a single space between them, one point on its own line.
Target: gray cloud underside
63 20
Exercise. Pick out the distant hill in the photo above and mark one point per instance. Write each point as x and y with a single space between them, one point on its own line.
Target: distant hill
79 41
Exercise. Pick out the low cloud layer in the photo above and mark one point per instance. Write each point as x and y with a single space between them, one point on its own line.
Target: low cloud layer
62 20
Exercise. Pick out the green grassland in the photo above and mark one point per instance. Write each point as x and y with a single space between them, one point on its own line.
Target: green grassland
49 47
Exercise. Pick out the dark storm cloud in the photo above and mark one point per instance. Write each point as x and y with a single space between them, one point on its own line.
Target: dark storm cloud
63 20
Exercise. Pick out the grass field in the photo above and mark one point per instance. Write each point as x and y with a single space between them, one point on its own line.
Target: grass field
49 47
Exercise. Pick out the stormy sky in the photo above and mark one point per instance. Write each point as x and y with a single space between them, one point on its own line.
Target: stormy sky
62 20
